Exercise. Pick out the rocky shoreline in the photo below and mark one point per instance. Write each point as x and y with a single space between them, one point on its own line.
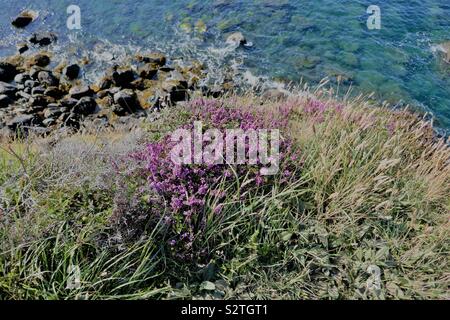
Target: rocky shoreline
34 96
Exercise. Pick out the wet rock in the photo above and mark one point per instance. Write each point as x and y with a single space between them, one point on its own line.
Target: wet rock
47 78
127 100
72 71
153 58
21 78
5 101
85 106
7 71
23 19
79 92
123 78
22 48
236 38
43 39
39 59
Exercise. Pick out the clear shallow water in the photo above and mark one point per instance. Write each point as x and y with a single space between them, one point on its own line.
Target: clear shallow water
292 39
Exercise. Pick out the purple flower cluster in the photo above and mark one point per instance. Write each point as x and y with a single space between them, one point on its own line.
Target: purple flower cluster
318 109
183 190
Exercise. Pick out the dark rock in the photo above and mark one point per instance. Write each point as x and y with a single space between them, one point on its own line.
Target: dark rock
22 48
153 58
40 100
8 89
166 69
177 90
48 79
40 60
43 39
123 78
72 71
85 106
68 103
23 19
148 71
105 83
7 72
21 78
21 121
127 100
54 92
5 101
71 120
119 111
80 92
37 91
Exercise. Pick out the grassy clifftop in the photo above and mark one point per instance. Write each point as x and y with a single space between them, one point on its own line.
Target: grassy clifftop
360 211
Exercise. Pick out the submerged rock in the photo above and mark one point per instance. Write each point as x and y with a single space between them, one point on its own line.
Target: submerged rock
445 49
47 78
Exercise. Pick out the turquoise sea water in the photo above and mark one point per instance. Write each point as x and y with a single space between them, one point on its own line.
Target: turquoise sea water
292 39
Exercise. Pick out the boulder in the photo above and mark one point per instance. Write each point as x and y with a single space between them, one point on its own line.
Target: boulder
8 89
85 106
148 71
153 58
22 48
7 71
127 100
79 92
5 101
48 79
21 121
21 78
43 39
123 78
39 59
23 19
72 71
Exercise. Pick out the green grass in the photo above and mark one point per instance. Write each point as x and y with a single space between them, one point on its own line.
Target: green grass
363 196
